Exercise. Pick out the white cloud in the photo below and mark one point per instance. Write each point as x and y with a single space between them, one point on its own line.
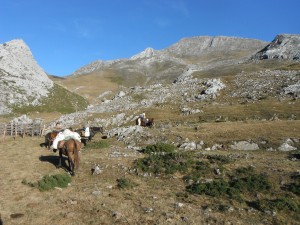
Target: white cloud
87 28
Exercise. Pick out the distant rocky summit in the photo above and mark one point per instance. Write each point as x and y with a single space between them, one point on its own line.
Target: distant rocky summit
284 46
203 51
23 81
197 46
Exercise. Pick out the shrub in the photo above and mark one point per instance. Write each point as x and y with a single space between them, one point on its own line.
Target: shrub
280 204
220 159
200 169
251 183
236 185
294 188
125 183
215 188
164 164
159 147
50 182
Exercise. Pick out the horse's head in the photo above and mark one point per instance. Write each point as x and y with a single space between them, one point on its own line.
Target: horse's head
150 122
53 135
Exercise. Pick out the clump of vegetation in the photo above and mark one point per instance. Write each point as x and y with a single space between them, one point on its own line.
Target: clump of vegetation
200 170
49 182
294 186
164 164
59 100
125 183
215 188
244 180
278 204
97 145
220 159
159 147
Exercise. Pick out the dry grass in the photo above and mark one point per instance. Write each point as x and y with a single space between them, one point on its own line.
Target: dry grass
96 199
89 85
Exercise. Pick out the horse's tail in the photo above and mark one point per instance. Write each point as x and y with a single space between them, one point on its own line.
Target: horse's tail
76 154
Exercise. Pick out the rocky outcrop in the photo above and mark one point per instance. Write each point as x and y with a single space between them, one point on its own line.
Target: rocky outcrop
197 46
284 46
266 83
23 81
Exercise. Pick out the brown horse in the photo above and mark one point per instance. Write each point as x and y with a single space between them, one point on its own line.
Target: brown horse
70 148
49 137
145 122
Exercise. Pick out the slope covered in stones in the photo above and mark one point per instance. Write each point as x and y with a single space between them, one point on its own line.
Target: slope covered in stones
23 81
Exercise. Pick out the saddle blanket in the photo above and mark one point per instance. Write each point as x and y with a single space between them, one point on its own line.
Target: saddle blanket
65 135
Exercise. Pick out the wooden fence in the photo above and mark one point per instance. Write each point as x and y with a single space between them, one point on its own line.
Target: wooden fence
36 128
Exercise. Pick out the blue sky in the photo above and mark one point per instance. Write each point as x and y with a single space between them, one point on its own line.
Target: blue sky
64 35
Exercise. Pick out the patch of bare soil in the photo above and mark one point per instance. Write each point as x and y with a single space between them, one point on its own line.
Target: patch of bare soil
96 199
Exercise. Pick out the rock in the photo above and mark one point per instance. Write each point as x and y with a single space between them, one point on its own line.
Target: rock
244 145
284 46
21 72
286 147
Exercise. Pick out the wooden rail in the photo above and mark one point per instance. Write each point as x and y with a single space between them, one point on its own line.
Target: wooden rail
36 128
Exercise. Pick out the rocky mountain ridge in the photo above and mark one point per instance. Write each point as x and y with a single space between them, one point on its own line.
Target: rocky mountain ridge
23 81
203 51
284 46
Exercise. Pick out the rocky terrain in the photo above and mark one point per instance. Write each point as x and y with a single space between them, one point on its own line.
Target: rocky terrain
214 98
23 81
284 46
165 65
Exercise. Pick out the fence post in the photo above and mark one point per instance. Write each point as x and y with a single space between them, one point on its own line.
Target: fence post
11 129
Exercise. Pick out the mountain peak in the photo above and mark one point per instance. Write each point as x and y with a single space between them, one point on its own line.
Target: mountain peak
147 53
22 73
284 46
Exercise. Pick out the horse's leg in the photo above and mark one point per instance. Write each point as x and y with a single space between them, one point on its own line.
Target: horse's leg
59 159
71 163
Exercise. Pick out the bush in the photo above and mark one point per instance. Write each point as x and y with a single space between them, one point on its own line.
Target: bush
251 183
294 188
50 182
124 183
164 164
279 204
215 188
159 147
220 159
244 181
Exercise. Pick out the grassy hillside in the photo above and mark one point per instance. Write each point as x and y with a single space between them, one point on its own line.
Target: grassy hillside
59 100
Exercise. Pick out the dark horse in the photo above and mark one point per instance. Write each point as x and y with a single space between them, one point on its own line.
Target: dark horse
145 122
70 148
49 137
93 131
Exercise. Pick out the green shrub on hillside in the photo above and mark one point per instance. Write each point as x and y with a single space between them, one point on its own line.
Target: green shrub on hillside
278 204
125 183
159 147
240 182
59 100
49 182
165 163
